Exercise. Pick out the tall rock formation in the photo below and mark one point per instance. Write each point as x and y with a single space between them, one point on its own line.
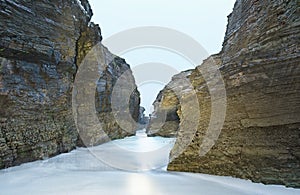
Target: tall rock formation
259 63
42 44
165 120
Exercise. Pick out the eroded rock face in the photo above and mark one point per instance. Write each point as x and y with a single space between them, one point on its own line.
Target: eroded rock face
165 120
259 63
119 127
42 44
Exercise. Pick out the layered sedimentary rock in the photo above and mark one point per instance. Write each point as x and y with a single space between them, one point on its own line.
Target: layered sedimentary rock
259 64
113 111
42 44
165 120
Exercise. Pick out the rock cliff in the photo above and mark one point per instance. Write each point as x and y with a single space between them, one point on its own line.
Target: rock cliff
165 119
259 64
42 44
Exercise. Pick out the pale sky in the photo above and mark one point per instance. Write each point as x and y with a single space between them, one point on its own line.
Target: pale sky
203 20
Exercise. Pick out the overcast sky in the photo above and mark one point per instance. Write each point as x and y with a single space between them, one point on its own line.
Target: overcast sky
203 20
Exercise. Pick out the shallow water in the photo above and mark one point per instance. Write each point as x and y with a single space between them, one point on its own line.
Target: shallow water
130 166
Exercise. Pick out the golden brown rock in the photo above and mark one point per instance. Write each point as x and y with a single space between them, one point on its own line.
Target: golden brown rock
259 63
